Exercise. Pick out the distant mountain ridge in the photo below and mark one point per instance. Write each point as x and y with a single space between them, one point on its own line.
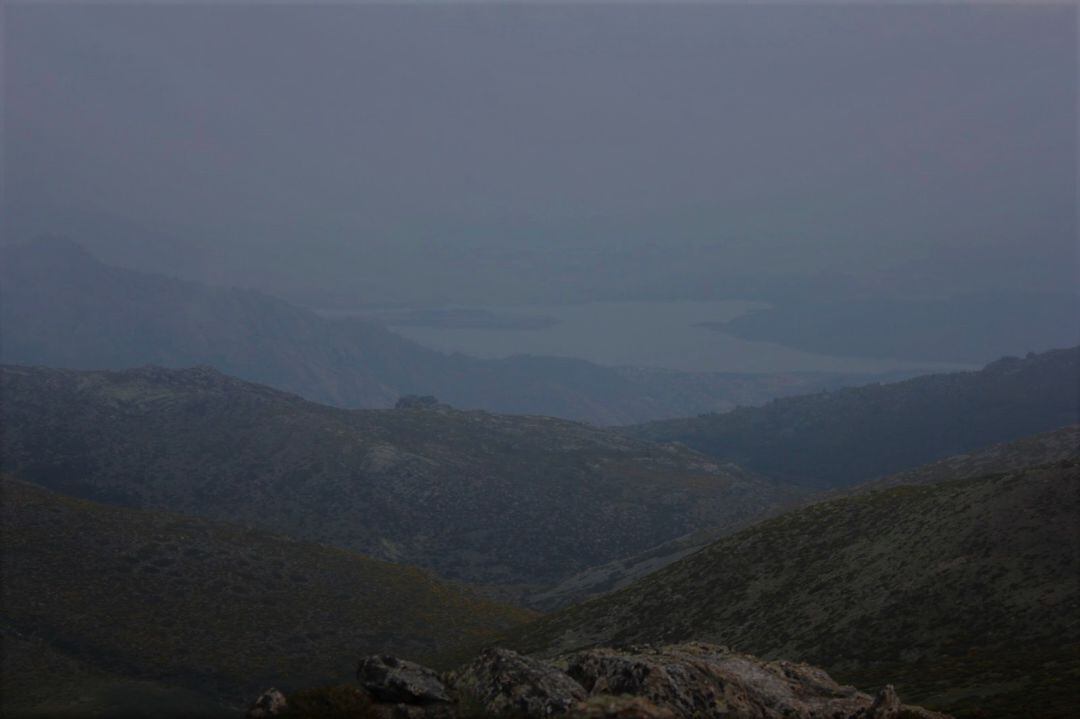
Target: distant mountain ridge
838 438
60 307
490 499
943 589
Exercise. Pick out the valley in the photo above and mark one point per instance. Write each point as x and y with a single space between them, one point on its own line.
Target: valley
539 360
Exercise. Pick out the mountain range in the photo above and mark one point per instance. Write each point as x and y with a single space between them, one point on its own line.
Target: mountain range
237 510
842 437
61 307
489 499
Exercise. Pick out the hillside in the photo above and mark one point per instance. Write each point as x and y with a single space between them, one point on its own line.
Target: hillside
963 594
834 439
106 608
60 307
484 498
1045 448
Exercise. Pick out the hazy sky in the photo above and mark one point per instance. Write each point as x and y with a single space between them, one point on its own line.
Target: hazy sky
337 145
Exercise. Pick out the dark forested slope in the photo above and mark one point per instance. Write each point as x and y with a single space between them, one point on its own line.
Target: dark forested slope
837 438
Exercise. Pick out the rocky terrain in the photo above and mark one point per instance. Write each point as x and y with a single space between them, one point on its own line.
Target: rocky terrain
489 499
843 437
679 681
108 611
1041 449
61 307
963 594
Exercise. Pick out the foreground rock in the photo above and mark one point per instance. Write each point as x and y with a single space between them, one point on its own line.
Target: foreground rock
396 681
695 680
270 703
677 681
500 681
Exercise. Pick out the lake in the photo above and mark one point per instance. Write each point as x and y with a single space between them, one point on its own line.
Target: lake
643 334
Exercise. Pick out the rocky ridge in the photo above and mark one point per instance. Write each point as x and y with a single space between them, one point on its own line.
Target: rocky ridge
482 498
691 680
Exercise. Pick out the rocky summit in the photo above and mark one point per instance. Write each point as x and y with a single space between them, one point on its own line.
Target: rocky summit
676 681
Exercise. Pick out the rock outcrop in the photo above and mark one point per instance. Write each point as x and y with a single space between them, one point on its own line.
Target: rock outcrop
678 681
270 703
396 681
500 681
698 680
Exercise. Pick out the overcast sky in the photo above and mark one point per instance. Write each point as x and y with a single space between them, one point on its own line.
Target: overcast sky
278 144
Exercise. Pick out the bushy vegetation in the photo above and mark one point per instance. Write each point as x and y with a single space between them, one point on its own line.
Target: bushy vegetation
221 610
964 594
482 498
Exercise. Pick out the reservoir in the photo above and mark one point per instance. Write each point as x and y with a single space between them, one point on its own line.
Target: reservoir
665 334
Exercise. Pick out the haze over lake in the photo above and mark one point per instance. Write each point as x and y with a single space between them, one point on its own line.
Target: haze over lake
665 334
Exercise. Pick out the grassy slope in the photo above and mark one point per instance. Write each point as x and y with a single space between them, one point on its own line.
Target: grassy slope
1045 448
223 611
482 498
835 439
39 680
964 594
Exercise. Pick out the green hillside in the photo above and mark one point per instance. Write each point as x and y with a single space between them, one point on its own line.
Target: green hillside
963 594
103 605
490 499
1045 448
838 438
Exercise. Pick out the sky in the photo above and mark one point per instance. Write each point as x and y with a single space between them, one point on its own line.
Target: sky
522 153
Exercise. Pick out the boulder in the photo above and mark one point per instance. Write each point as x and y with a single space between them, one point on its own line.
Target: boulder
270 703
500 681
397 681
705 680
619 707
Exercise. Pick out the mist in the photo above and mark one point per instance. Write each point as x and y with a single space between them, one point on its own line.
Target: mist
367 155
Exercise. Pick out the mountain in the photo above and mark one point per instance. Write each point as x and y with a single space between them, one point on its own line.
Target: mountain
484 498
1046 448
963 593
838 438
117 610
60 307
